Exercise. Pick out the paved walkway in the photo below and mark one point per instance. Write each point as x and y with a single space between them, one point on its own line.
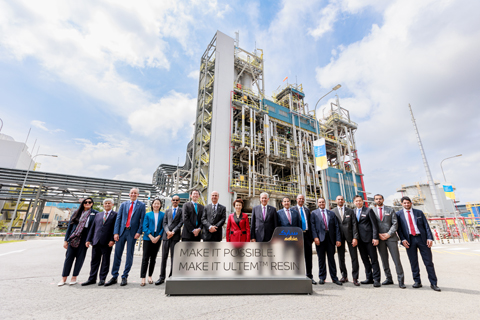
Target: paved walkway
30 270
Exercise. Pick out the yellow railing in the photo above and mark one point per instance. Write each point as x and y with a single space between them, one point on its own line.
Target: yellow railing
249 103
203 181
205 158
206 137
236 183
339 117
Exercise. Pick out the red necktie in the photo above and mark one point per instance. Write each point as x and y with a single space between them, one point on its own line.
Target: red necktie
129 216
289 216
381 215
412 227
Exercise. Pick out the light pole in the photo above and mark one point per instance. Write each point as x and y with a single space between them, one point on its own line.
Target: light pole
441 165
318 137
23 186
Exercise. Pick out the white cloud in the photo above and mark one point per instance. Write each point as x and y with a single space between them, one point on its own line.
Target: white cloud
414 57
194 74
328 16
41 125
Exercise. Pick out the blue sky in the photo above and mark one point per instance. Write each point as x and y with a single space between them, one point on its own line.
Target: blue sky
110 86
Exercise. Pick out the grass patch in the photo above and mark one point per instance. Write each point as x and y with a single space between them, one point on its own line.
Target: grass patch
10 241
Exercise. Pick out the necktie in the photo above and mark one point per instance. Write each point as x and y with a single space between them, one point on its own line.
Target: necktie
174 211
359 211
129 215
324 220
341 213
214 211
263 213
105 217
304 225
412 227
380 213
289 216
196 212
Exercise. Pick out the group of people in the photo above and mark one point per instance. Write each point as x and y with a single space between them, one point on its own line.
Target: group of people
365 228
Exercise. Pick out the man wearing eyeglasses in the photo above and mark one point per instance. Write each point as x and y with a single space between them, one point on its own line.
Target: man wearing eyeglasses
172 223
128 228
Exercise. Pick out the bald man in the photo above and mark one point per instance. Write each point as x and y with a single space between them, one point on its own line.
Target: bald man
214 219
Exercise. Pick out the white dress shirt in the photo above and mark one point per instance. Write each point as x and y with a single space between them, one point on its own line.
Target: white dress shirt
405 214
156 219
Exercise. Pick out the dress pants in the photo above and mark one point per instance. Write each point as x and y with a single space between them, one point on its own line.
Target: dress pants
393 248
307 246
128 236
100 253
149 258
327 248
426 253
353 255
370 260
168 246
77 255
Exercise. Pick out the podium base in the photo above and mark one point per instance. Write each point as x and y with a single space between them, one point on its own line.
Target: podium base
224 286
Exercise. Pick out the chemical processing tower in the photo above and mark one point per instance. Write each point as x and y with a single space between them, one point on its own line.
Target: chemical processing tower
245 143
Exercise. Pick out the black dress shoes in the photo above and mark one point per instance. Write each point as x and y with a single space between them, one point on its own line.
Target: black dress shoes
376 284
101 283
124 282
159 281
337 282
387 282
110 282
89 282
367 282
314 282
434 287
321 281
402 285
417 285
355 282
344 279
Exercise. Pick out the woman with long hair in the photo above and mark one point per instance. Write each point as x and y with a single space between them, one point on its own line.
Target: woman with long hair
75 239
152 239
238 227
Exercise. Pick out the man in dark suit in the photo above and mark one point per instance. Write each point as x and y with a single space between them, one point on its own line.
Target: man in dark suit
307 234
101 237
192 213
172 223
387 231
349 233
128 228
264 220
288 217
213 220
326 236
368 231
415 234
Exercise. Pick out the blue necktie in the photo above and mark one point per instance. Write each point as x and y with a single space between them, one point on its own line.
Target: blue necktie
196 212
358 214
174 211
304 225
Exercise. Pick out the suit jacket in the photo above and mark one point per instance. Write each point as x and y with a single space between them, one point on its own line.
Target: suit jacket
238 233
283 220
149 225
422 225
318 226
172 224
191 219
307 236
388 224
102 233
72 226
208 220
262 230
367 225
348 225
136 221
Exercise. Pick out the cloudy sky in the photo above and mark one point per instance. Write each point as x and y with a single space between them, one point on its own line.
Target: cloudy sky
110 86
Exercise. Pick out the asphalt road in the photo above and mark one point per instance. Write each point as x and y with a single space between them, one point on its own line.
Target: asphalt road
30 271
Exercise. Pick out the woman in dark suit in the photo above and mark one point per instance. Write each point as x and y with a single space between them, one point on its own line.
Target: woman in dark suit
75 239
152 239
238 227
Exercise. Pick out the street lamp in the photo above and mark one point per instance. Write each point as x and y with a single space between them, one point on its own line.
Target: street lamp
23 186
458 155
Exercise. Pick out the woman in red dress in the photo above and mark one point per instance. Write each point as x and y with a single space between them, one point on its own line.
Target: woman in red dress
238 227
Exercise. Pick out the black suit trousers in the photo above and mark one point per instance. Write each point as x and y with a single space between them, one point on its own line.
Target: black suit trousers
77 255
100 253
150 251
168 246
326 248
416 243
370 260
353 255
307 245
